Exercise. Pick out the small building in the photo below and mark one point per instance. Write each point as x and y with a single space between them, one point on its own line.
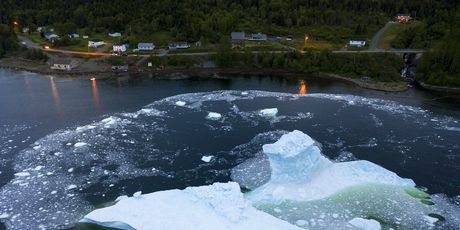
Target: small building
50 37
25 30
74 35
238 39
403 18
238 36
115 34
119 48
95 43
85 36
178 45
258 37
61 66
357 43
145 46
40 29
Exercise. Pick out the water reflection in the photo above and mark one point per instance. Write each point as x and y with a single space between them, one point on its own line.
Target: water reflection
96 101
303 87
55 95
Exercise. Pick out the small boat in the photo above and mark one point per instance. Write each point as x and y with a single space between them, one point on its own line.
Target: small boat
92 79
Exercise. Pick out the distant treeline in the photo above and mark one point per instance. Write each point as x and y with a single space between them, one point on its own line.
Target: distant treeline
193 20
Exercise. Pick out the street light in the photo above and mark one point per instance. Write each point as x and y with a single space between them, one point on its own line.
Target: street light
306 39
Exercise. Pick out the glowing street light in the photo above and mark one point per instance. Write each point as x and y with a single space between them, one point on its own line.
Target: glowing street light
306 39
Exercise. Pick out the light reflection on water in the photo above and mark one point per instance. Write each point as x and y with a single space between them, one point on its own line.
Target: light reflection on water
96 99
55 95
303 87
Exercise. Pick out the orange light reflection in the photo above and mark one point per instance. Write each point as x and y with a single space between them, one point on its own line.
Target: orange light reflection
96 99
303 87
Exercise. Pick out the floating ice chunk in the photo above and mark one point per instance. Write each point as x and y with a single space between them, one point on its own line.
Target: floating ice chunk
79 144
217 206
431 220
38 168
22 174
180 103
37 147
365 224
70 187
300 172
213 116
301 222
207 158
268 112
53 192
4 215
70 170
244 93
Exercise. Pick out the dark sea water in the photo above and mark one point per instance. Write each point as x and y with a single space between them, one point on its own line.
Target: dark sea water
76 144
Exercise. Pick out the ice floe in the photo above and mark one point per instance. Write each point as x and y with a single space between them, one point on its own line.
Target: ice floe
365 224
181 103
207 158
213 116
271 112
217 206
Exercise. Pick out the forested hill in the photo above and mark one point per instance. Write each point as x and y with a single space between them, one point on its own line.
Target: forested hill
193 19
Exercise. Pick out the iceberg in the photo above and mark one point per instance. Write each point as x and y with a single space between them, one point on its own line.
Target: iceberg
216 206
268 112
300 172
206 158
213 116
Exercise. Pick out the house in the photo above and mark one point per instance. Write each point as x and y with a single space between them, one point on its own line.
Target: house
258 37
143 46
95 43
25 29
238 39
238 36
74 35
403 18
115 34
178 45
40 29
357 43
61 66
119 48
51 37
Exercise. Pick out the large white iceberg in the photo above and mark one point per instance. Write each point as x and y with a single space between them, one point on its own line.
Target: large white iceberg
213 116
300 172
268 112
217 206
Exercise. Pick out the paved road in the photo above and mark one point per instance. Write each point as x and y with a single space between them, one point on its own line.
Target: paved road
378 36
394 51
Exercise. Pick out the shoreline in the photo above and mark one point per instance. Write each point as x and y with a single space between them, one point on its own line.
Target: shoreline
182 73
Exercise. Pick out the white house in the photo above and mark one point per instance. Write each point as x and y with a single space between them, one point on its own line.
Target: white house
145 46
25 29
51 36
95 43
115 34
119 48
355 43
66 67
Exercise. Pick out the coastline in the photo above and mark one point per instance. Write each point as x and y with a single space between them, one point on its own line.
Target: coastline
181 73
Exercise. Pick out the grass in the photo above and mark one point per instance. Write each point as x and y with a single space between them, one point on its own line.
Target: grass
392 32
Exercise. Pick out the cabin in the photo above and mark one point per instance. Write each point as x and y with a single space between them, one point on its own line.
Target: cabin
119 48
178 45
258 37
238 39
145 46
61 66
403 18
115 34
357 43
50 37
95 43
